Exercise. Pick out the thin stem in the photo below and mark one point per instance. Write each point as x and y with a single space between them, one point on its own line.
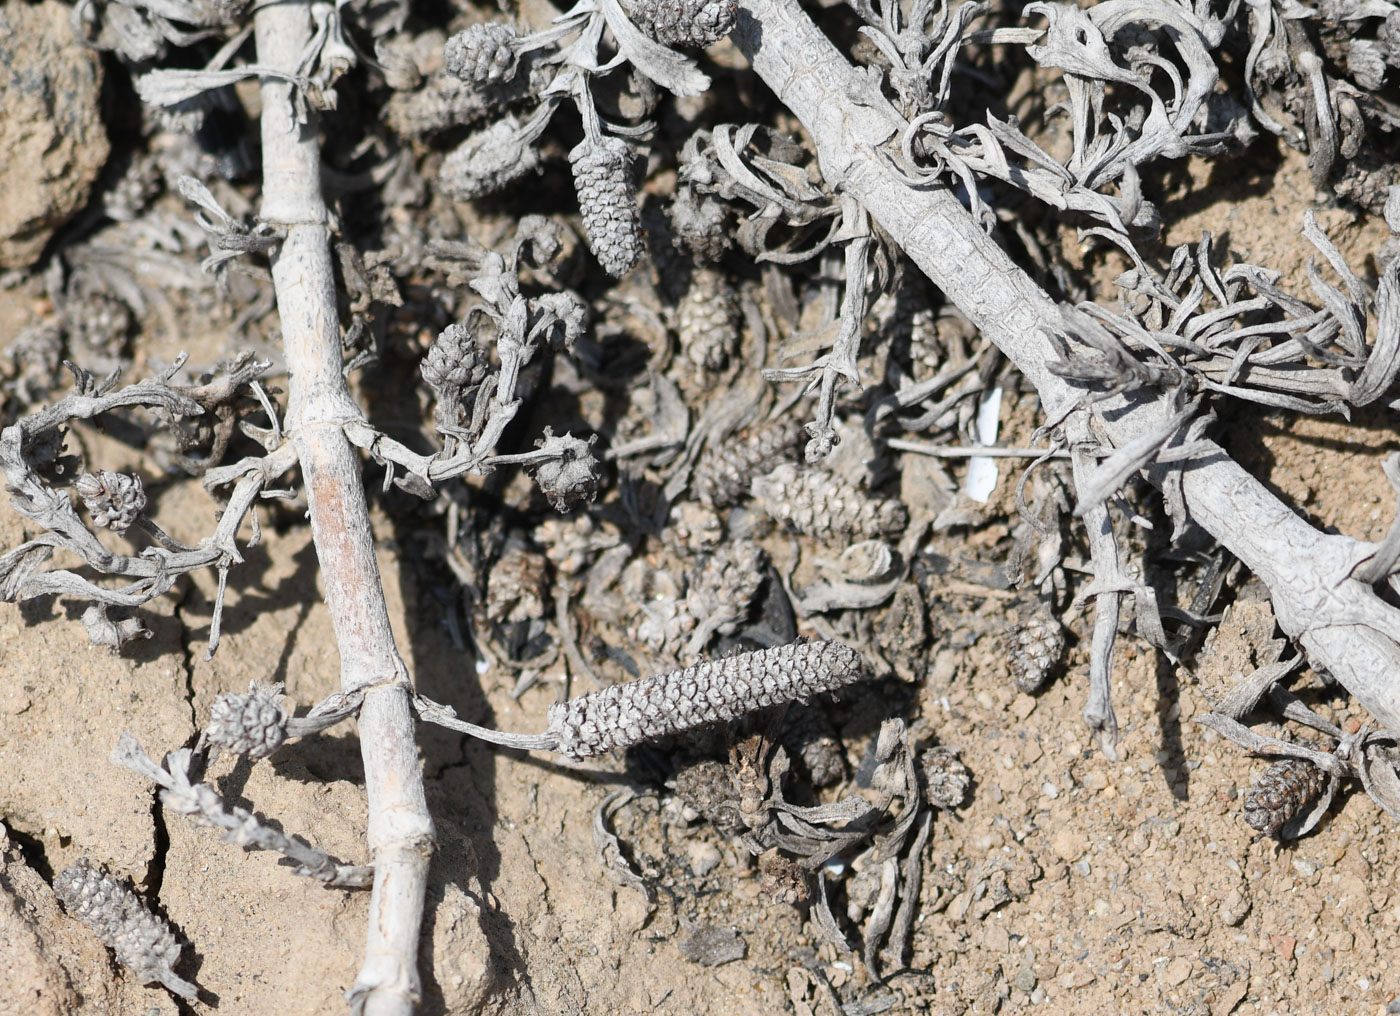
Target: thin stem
1341 622
400 831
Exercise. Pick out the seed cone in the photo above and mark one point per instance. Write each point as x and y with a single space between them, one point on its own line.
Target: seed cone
607 201
709 692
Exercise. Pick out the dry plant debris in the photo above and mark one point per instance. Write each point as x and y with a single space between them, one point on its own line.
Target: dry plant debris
774 446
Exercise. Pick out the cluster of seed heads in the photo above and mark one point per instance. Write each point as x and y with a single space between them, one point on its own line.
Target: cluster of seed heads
114 500
707 320
602 168
712 691
821 504
254 724
725 470
694 23
1034 647
142 941
1282 793
483 54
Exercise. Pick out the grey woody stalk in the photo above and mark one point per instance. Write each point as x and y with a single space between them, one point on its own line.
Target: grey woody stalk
1340 620
400 830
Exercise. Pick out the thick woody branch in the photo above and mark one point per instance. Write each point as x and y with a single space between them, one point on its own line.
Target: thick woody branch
400 830
1341 621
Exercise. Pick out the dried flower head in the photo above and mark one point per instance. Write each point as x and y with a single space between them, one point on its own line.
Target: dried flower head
783 879
114 500
707 320
1034 647
810 738
1284 790
142 941
696 23
254 724
454 361
819 503
483 54
725 469
602 170
573 476
517 587
489 160
946 779
712 691
700 224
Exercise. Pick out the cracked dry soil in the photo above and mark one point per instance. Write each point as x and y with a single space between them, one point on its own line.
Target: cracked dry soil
1065 884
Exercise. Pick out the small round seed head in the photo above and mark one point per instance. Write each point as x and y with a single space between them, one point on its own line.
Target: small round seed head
810 738
602 171
98 321
700 224
254 724
483 54
696 23
574 476
569 312
723 588
709 789
114 500
488 161
1034 647
1284 790
141 940
454 362
946 779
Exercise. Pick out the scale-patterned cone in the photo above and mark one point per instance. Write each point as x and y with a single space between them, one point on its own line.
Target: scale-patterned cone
820 504
254 724
142 941
607 201
1286 788
483 54
696 23
725 470
709 692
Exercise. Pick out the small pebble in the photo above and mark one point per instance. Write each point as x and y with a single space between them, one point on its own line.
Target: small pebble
702 857
1234 908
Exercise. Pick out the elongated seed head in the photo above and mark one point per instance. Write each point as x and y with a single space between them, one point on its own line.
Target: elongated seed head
141 940
607 201
709 692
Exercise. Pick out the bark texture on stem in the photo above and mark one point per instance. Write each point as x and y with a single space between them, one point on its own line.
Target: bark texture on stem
400 830
1346 627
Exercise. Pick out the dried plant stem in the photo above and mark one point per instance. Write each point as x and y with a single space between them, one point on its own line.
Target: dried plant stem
400 830
1341 621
